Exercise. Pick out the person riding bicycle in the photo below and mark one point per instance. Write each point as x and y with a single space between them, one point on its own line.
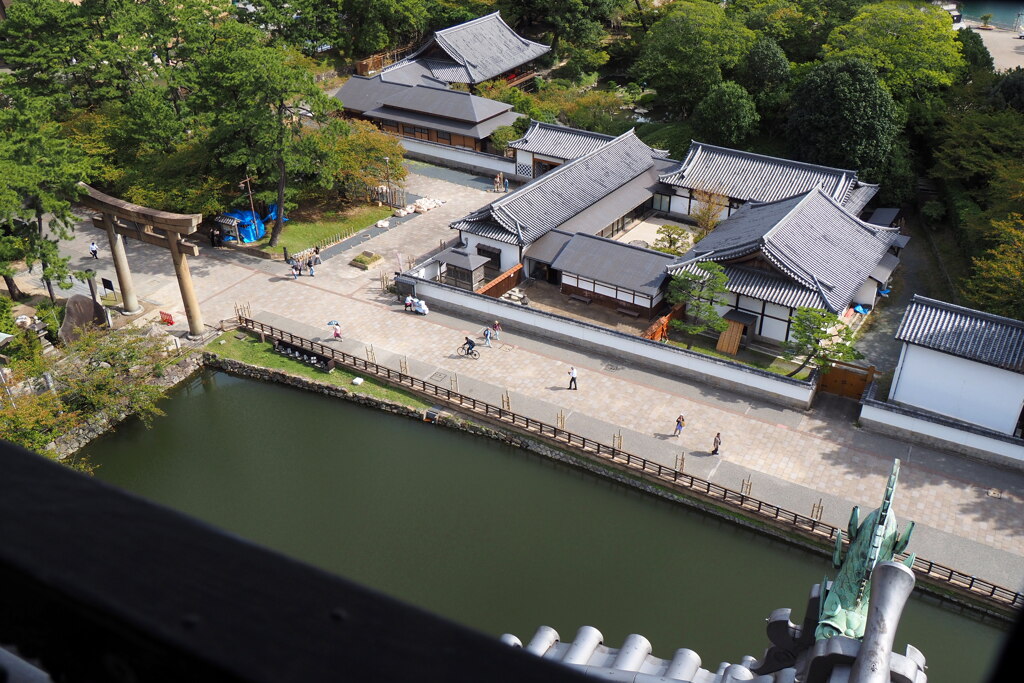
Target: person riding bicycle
469 345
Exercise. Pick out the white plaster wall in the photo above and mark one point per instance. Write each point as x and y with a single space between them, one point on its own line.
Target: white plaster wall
509 252
773 329
787 390
962 389
464 157
959 440
524 157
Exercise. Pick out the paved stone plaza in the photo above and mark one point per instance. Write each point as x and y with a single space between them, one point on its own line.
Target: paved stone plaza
793 458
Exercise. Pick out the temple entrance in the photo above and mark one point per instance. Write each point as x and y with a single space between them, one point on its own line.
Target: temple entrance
161 228
846 379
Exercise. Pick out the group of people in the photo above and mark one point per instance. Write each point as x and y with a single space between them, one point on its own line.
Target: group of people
414 305
500 183
492 331
304 261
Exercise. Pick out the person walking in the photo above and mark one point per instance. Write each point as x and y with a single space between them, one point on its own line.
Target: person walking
337 332
316 256
487 337
680 424
572 378
717 442
94 250
295 272
496 329
309 265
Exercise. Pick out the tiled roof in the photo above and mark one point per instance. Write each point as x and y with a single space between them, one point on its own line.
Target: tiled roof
360 94
755 177
974 335
546 249
414 72
474 130
479 49
449 104
614 263
561 194
763 285
557 141
809 238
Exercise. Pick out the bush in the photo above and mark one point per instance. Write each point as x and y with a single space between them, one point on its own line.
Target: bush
727 115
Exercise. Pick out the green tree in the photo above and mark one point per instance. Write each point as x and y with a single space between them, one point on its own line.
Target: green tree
1008 91
502 136
347 157
41 41
995 281
700 291
821 338
764 69
727 116
908 44
976 55
259 98
41 171
686 52
841 116
375 25
673 239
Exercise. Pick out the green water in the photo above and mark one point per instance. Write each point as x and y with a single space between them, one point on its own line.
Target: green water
1003 13
484 534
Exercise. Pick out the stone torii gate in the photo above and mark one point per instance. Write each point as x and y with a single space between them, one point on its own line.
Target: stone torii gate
161 228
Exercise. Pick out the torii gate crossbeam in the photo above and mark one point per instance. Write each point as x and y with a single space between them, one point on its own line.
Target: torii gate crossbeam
161 228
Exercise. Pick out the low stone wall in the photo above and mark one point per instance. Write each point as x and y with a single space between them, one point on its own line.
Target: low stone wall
77 439
496 433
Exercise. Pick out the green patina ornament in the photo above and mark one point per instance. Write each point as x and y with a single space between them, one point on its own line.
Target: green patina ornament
845 606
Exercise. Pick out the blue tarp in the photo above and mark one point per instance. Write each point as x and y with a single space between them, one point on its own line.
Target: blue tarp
250 227
272 214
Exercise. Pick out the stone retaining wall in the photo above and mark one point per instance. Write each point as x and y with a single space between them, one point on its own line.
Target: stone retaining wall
77 439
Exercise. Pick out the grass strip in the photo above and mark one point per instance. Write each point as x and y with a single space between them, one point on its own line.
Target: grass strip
254 352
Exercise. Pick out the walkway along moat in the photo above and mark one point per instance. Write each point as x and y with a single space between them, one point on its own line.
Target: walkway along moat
480 532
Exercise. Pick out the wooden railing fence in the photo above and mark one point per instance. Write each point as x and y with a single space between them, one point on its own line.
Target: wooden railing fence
936 573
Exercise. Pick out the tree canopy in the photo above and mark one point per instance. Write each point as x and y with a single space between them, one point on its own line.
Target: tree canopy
840 115
909 45
727 116
821 338
685 53
700 292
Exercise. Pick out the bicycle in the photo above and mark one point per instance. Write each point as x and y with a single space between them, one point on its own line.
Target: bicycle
466 351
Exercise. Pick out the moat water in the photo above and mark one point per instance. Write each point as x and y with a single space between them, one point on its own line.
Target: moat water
487 535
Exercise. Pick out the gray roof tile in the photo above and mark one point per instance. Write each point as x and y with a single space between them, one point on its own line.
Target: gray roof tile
964 332
561 194
809 238
480 49
440 101
755 177
557 141
614 263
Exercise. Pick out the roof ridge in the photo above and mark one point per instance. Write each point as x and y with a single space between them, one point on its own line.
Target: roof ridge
470 22
766 156
973 312
556 173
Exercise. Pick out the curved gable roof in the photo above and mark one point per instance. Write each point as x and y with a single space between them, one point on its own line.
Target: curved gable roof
563 193
479 49
756 177
810 238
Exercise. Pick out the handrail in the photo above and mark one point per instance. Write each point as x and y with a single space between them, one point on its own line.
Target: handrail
665 475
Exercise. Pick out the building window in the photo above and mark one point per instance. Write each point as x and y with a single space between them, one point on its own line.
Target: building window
389 125
661 203
444 137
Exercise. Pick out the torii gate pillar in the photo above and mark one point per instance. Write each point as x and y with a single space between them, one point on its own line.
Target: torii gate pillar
129 302
161 228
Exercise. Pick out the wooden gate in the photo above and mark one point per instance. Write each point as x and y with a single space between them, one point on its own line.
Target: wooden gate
846 379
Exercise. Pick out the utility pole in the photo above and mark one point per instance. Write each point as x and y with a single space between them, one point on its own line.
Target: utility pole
387 175
248 184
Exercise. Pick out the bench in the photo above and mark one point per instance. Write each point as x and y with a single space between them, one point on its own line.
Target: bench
580 297
630 313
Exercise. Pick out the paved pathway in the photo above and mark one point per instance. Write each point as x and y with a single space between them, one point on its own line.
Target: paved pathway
792 457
